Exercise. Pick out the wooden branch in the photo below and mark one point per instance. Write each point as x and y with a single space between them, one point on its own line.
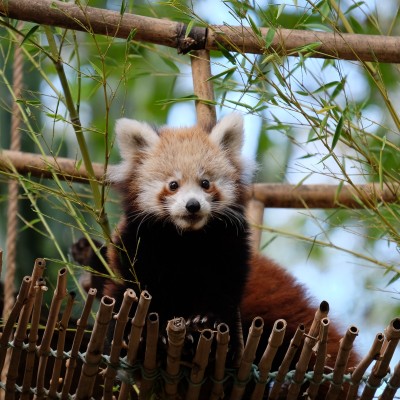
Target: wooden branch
202 87
271 195
173 34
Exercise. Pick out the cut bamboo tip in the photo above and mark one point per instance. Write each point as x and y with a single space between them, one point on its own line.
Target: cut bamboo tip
392 331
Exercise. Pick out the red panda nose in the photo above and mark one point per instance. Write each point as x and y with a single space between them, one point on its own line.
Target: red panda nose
193 206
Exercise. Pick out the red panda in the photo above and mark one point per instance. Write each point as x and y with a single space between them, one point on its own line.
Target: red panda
184 236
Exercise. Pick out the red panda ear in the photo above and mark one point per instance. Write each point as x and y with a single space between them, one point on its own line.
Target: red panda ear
134 136
228 133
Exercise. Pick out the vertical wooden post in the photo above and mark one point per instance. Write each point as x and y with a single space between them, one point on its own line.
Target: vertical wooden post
201 73
255 216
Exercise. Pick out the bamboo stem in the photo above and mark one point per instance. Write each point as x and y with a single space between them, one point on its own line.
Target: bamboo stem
247 360
358 373
393 385
200 362
20 332
150 357
176 331
62 332
381 367
287 361
202 87
305 355
12 318
264 366
95 348
138 322
320 360
346 345
375 48
29 369
80 330
220 359
43 351
270 195
118 339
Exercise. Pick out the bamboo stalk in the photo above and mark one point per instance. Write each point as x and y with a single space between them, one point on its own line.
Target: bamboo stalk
287 361
176 331
305 355
392 385
381 367
80 330
29 369
62 332
346 46
358 373
319 366
264 366
93 355
118 339
220 359
20 332
346 344
255 216
43 351
202 87
150 357
12 318
138 322
200 362
247 360
270 195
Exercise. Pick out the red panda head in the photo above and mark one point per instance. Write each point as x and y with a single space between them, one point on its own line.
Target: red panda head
182 175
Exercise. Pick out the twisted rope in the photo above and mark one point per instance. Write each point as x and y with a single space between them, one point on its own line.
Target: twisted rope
12 221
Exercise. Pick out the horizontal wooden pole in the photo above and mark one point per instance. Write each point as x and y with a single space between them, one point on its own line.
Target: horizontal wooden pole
39 166
272 195
173 34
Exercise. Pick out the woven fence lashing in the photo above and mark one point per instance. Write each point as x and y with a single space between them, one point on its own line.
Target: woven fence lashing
80 368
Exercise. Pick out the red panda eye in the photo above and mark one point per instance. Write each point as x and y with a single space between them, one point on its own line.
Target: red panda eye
205 184
173 186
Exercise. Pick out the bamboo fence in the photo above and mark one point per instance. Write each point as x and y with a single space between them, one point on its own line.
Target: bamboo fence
67 359
63 358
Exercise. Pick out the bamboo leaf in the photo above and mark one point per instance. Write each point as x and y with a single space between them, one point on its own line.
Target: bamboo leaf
226 53
338 132
269 37
30 33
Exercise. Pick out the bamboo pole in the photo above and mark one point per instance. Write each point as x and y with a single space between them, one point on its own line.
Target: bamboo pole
305 355
12 318
59 295
247 359
202 88
174 34
295 344
93 355
392 385
29 369
20 331
320 360
222 339
150 357
264 366
56 378
199 365
373 354
118 340
346 344
176 331
381 367
270 195
74 354
138 322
